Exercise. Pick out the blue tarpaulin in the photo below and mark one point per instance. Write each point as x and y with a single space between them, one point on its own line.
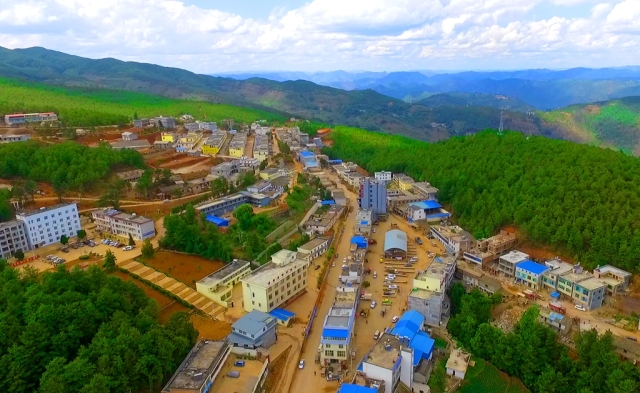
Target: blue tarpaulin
219 221
335 161
329 202
351 388
334 333
360 241
555 295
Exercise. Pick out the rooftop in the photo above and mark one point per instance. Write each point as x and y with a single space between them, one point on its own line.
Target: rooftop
132 218
134 143
558 267
395 238
202 358
223 272
453 232
249 376
423 293
458 360
532 267
426 205
310 245
253 323
608 269
592 283
339 316
437 268
344 299
385 352
515 257
351 388
46 209
270 273
577 276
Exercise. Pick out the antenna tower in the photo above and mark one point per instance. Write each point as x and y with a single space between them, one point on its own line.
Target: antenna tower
501 128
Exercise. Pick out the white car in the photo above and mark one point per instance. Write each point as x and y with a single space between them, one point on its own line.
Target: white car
374 230
413 259
391 277
395 319
373 304
301 364
127 248
580 307
393 286
344 260
375 274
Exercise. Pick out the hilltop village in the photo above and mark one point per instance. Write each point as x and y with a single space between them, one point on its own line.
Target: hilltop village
348 288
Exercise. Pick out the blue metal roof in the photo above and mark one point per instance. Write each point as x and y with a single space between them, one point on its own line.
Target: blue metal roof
306 153
329 202
335 161
281 314
221 222
532 267
311 164
395 238
438 215
422 345
351 388
360 241
335 333
427 204
408 325
253 322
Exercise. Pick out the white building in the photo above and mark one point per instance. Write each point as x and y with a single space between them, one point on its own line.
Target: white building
13 237
218 286
14 138
122 224
383 176
275 283
458 363
129 136
313 249
47 225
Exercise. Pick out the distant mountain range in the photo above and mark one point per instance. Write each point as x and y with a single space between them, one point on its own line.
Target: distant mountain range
542 89
430 116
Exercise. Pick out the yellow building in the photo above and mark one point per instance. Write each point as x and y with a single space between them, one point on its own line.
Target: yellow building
214 143
218 286
437 276
405 183
168 137
237 145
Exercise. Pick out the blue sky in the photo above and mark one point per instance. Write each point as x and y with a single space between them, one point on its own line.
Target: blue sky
217 36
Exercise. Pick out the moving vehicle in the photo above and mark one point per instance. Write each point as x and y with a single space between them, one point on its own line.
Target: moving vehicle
395 319
128 248
366 296
344 260
373 304
557 308
580 307
301 364
376 335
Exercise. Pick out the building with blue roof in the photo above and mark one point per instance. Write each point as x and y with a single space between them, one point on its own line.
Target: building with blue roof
284 317
359 241
308 159
254 330
530 273
351 388
364 222
337 330
219 221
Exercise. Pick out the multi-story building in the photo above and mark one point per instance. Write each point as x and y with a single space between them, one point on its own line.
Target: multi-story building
454 239
20 118
425 190
47 225
141 123
199 368
254 330
168 137
164 122
214 143
337 330
188 141
218 286
208 125
131 176
308 159
556 269
589 293
373 196
14 138
458 363
137 144
261 147
383 176
403 182
530 273
192 127
221 206
472 276
429 287
364 222
123 224
485 251
314 248
507 263
567 281
237 145
226 169
617 280
13 237
275 283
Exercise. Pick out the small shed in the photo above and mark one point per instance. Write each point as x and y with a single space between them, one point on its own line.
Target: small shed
219 221
328 202
359 241
129 136
283 316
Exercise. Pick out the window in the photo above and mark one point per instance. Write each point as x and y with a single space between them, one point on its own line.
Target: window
342 354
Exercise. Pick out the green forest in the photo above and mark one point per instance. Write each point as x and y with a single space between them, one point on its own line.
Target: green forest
582 200
66 165
86 332
78 107
532 353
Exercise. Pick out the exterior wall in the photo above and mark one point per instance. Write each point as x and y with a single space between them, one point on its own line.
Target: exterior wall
431 309
334 353
13 237
454 373
373 195
256 297
383 176
14 138
591 299
46 227
381 374
565 286
221 291
508 268
530 279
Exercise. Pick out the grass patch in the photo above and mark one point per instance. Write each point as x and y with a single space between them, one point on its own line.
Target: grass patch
486 378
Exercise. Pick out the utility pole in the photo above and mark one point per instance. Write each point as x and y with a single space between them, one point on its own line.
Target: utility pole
501 128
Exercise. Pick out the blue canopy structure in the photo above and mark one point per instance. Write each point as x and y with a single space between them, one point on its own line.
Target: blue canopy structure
219 221
360 241
281 314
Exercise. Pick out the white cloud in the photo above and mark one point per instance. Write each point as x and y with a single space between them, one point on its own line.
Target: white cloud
333 34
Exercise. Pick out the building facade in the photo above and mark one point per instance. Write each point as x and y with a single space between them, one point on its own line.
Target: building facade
275 283
46 225
254 330
373 196
14 138
13 237
383 176
617 280
314 248
507 263
123 224
20 118
218 286
530 273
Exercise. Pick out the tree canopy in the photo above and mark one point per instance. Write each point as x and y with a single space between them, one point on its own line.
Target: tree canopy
582 200
84 331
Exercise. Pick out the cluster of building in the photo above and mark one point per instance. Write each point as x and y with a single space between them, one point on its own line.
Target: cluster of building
22 118
298 140
123 224
39 228
159 121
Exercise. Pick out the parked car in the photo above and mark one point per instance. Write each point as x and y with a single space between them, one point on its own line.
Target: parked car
395 319
580 307
128 248
413 259
239 363
375 274
393 286
333 264
301 364
344 260
374 230
373 304
419 241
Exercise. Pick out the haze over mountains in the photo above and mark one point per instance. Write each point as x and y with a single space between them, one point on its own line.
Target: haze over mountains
441 106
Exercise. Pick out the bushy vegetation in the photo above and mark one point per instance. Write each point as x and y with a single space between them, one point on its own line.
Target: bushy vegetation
83 331
78 107
532 353
66 165
582 200
191 232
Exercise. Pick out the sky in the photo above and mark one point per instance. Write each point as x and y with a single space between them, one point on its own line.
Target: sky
216 36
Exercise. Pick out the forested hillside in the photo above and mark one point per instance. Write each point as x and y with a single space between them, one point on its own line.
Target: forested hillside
580 199
612 123
85 332
85 107
66 165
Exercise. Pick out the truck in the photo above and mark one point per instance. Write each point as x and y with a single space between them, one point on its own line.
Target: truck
557 307
366 296
373 241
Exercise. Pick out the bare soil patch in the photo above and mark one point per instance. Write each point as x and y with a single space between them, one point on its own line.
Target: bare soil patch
183 267
209 329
